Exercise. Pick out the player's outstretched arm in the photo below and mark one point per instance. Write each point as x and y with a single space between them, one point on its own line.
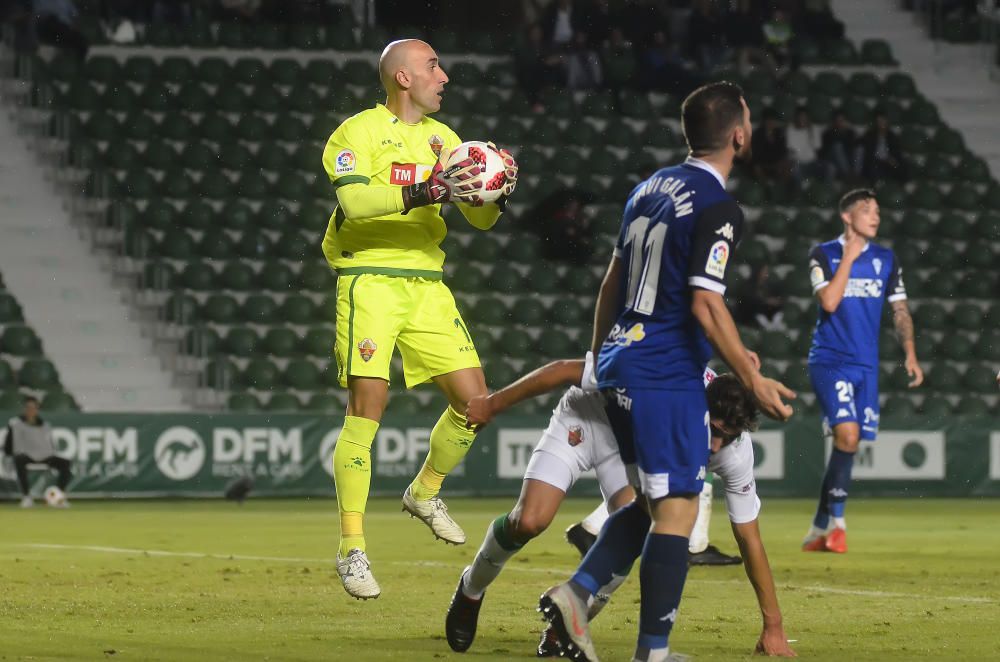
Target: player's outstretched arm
482 409
903 322
710 310
772 638
607 306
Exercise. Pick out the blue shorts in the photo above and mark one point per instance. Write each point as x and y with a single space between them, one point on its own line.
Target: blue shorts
847 394
663 438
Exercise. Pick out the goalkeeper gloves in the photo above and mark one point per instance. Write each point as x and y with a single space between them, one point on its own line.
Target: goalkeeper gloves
460 182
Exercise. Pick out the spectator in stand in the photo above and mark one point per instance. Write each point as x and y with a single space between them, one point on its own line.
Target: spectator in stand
761 305
618 61
770 149
562 21
664 69
881 157
804 147
838 147
536 67
778 34
29 441
567 234
55 24
706 34
566 33
744 34
817 21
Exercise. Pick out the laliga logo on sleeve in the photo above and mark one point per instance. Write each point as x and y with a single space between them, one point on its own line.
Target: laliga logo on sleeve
718 257
345 162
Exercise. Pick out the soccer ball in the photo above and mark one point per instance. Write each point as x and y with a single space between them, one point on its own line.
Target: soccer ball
55 497
490 163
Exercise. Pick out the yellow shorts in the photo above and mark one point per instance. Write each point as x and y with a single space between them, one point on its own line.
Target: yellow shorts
377 313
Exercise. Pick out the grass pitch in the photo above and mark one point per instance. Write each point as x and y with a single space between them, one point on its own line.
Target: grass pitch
190 580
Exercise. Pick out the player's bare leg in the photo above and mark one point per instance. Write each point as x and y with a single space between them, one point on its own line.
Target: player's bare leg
535 509
450 440
829 528
352 475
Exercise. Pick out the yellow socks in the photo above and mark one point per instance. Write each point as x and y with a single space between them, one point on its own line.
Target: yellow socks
450 441
352 474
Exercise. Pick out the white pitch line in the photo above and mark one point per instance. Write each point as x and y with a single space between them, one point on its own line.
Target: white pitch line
515 568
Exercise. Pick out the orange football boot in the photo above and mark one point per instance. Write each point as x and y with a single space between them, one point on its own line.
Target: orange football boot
817 544
836 541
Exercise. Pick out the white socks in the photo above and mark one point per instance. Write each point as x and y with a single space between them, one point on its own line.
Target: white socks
593 522
488 563
699 535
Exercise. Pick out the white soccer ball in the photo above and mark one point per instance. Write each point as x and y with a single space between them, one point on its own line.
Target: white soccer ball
55 497
490 162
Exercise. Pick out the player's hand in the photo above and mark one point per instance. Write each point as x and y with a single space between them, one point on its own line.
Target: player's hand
770 395
915 372
754 359
853 245
479 412
773 642
460 182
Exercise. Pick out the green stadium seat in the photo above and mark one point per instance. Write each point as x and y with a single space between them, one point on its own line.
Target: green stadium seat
302 375
927 345
935 406
243 402
11 401
980 379
276 276
57 400
160 155
220 308
216 244
10 310
952 225
199 276
139 184
238 276
38 374
516 343
556 344
970 405
796 377
7 378
202 341
921 113
319 341
877 52
948 142
260 309
221 373
298 309
317 277
281 342
176 70
102 69
944 255
899 406
217 128
964 197
527 310
569 311
322 72
988 226
181 308
242 341
974 170
286 71
898 84
864 84
775 345
295 246
988 346
491 311
283 402
943 377
254 246
324 402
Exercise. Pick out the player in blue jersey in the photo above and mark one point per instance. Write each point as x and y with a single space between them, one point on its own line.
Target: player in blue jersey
659 313
852 277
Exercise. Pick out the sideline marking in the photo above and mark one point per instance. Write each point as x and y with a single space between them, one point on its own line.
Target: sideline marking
515 568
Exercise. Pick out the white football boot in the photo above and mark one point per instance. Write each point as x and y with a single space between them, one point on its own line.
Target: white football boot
27 502
356 574
568 616
434 514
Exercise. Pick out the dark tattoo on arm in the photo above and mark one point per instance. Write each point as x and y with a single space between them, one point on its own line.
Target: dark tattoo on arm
903 322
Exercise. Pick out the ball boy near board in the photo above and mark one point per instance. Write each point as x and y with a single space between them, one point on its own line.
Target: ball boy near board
852 277
390 168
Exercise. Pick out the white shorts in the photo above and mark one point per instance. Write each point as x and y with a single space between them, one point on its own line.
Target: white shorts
578 439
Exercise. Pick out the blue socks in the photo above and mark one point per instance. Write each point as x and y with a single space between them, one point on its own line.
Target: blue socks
833 493
618 546
661 575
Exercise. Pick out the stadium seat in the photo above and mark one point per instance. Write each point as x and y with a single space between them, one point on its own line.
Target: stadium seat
897 379
988 226
324 402
38 373
555 344
281 342
283 402
876 52
237 276
243 402
202 341
568 311
260 309
970 405
302 375
980 379
276 276
943 377
319 341
796 377
181 308
20 340
222 374
967 316
254 246
988 347
260 374
7 378
505 280
516 343
925 197
899 406
216 244
199 276
491 311
935 406
295 246
942 256
964 197
57 400
298 309
220 308
901 85
527 311
10 310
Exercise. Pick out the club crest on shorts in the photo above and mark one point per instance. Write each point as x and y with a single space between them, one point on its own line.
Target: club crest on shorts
575 435
367 349
436 144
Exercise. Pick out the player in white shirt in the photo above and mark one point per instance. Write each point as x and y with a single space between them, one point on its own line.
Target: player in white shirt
579 438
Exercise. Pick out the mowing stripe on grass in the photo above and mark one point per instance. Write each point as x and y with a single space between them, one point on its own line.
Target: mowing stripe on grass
515 568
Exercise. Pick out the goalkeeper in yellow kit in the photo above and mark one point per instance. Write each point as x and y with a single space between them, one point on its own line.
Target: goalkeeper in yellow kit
386 165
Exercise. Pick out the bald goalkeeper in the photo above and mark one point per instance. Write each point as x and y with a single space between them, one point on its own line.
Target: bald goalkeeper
383 240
